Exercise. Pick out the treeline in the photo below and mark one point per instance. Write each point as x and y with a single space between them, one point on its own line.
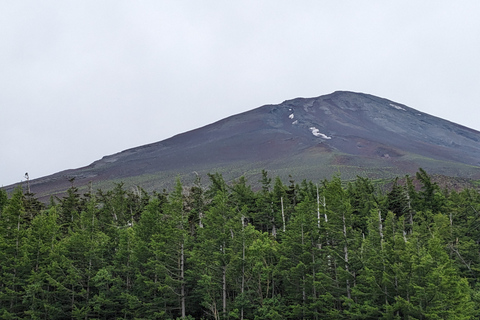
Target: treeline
331 250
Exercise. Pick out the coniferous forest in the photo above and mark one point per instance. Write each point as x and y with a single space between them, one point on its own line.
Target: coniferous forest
327 250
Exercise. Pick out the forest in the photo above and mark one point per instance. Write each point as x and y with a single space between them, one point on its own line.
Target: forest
328 250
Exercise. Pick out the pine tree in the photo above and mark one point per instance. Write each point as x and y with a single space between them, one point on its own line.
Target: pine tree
264 215
70 207
124 273
14 262
397 199
3 199
152 257
438 291
300 261
263 256
213 257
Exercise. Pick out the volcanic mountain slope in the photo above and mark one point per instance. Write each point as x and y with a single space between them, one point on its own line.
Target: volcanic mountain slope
343 132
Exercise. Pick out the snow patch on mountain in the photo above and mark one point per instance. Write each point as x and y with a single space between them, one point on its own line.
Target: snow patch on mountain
317 133
397 107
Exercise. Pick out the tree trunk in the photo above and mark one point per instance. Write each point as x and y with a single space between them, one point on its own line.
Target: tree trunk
313 284
410 211
182 279
345 249
325 208
242 289
318 209
380 232
380 228
224 291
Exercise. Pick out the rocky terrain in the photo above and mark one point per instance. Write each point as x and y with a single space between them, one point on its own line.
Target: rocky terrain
342 133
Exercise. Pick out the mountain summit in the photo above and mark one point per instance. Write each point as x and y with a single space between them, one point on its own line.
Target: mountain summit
343 132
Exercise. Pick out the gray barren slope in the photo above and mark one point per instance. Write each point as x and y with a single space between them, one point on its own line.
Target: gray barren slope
343 132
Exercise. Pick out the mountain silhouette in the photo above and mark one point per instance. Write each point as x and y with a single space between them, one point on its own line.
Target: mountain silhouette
342 133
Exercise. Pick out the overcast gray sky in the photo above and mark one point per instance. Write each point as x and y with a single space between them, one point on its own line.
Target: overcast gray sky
84 79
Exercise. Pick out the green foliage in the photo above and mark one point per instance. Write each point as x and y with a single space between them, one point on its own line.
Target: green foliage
302 251
3 199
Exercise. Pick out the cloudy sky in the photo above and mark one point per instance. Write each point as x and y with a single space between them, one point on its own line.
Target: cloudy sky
84 79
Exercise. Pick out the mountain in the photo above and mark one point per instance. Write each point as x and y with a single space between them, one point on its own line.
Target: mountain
343 132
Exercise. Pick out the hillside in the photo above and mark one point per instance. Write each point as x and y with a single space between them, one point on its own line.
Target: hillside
343 132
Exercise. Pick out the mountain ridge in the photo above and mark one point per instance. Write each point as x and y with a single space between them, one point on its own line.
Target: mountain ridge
346 132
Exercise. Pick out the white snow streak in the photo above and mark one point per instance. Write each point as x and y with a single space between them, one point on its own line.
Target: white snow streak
317 133
397 107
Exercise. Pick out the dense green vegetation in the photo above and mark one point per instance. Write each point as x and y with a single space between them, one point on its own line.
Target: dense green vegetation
298 251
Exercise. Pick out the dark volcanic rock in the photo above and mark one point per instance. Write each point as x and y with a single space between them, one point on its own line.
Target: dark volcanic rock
345 132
